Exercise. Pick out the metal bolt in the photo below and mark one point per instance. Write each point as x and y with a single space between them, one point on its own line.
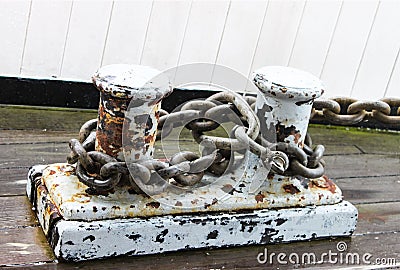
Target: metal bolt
132 95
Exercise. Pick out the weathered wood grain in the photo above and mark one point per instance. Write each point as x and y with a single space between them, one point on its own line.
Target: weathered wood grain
36 136
40 118
26 245
16 212
378 217
370 189
369 141
13 181
365 165
379 246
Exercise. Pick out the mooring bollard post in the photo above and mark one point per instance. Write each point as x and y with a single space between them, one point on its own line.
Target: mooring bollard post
288 95
222 209
129 93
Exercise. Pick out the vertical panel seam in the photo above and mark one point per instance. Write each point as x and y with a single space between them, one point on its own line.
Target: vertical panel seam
220 41
25 38
297 33
107 33
331 39
365 48
146 33
256 47
391 73
184 34
66 38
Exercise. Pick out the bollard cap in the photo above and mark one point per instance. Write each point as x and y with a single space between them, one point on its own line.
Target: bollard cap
287 83
127 81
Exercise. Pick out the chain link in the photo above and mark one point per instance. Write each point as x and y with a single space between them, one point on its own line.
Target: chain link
349 111
101 172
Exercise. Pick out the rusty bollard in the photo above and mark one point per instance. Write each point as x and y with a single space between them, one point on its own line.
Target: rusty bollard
285 103
139 89
223 212
289 95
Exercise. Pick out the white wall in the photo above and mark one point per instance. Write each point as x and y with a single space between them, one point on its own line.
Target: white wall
353 46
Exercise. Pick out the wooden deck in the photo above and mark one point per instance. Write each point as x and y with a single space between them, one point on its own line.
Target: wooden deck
365 164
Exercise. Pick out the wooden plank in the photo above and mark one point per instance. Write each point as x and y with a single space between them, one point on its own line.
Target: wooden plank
127 32
36 136
359 190
314 35
378 217
343 56
21 246
340 149
278 33
239 38
380 53
16 212
369 141
85 39
13 181
47 31
165 34
380 246
26 155
345 166
14 16
43 118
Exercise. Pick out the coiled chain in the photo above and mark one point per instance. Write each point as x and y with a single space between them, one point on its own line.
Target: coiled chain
101 172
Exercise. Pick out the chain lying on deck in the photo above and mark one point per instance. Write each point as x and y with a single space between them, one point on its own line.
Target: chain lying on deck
349 111
101 172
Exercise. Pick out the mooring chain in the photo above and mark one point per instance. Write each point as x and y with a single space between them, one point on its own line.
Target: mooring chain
349 111
102 172
282 158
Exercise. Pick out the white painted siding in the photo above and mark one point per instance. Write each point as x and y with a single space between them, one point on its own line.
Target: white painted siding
353 45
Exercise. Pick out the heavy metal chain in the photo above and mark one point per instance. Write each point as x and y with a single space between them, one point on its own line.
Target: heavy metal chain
349 111
101 172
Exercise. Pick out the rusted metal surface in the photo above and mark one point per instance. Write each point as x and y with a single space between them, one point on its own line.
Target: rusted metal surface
284 105
224 194
289 95
267 163
76 240
132 94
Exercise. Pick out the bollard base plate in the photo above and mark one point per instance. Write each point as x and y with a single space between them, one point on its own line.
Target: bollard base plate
77 240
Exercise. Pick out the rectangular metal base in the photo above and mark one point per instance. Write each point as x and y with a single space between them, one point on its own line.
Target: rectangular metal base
80 240
76 240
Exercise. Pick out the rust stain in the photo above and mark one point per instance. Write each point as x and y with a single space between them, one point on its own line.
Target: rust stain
80 197
178 203
283 132
195 201
290 189
227 188
325 184
153 204
110 122
259 197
